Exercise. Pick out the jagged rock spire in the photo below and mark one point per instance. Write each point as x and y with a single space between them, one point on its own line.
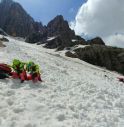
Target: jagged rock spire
15 21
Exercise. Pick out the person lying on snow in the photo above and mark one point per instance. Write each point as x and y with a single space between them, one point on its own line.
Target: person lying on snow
19 70
33 71
5 71
25 71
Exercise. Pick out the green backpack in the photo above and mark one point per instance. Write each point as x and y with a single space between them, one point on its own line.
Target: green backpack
18 66
32 68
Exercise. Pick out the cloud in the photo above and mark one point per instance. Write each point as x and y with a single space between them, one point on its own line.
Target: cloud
72 25
101 18
115 40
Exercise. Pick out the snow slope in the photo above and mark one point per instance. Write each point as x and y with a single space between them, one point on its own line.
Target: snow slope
73 94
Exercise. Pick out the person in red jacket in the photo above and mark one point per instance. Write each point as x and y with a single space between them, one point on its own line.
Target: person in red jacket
26 71
5 71
19 70
33 72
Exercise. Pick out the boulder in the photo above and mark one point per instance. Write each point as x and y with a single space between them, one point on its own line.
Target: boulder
56 42
71 54
96 40
4 39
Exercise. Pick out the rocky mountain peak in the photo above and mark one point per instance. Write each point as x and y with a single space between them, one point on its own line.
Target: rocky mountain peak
96 40
59 26
15 20
58 19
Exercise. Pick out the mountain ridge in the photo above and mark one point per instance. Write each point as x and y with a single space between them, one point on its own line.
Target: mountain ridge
57 35
15 20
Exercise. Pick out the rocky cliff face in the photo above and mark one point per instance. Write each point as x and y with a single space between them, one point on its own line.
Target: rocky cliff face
15 21
63 35
58 28
96 40
105 56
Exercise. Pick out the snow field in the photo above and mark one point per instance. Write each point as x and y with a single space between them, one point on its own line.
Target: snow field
73 94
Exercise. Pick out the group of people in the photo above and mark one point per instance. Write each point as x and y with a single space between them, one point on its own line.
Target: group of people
22 70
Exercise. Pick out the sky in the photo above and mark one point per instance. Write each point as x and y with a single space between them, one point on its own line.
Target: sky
88 18
45 10
104 18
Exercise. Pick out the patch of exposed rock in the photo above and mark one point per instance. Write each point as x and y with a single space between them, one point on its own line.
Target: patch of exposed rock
4 39
96 40
15 21
111 58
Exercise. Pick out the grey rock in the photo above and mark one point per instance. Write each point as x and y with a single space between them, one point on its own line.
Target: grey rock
111 58
15 21
70 54
96 40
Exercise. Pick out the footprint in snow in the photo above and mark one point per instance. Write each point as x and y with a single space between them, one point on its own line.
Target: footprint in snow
10 102
10 93
29 125
18 109
61 117
64 71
